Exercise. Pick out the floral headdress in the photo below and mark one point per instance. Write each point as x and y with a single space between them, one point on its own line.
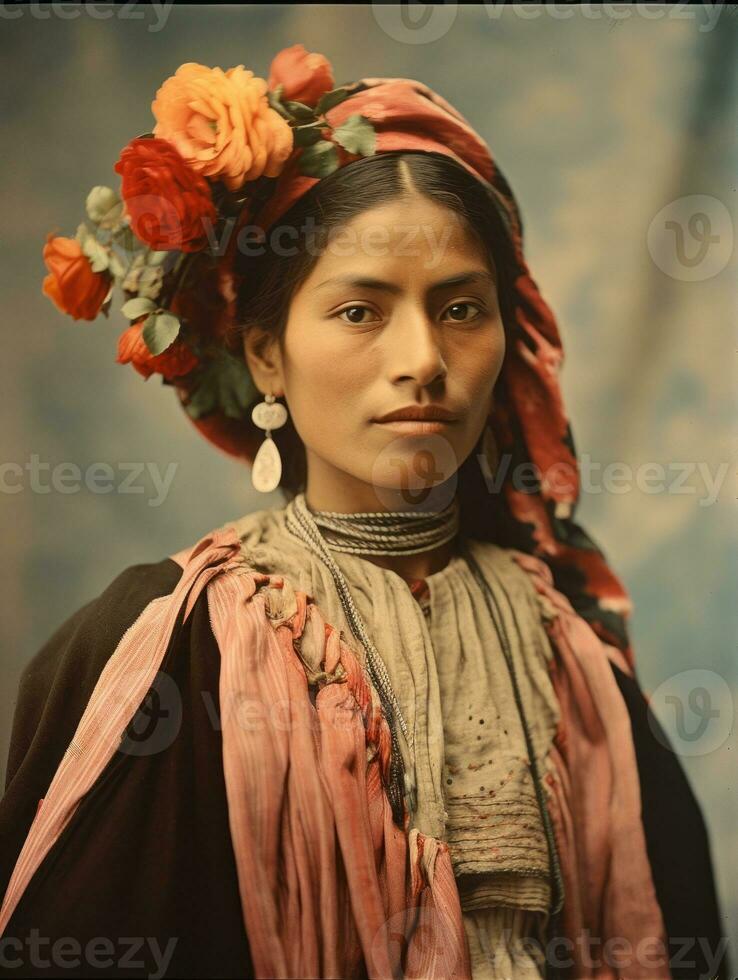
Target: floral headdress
220 139
230 148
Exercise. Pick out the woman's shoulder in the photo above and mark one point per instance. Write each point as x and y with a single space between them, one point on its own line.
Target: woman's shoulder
104 618
259 526
68 664
522 575
267 546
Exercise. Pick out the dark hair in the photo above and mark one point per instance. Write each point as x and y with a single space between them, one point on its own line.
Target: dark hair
272 277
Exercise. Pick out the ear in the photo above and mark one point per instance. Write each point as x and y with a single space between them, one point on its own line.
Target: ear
263 356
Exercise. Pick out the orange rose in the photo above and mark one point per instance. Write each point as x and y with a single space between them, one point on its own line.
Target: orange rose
305 76
71 283
171 363
222 123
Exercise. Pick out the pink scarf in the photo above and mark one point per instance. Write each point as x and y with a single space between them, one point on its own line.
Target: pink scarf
328 882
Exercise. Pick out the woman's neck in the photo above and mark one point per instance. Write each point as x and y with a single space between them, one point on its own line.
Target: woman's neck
417 566
342 498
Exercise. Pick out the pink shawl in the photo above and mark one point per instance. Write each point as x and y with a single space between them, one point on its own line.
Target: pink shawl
329 884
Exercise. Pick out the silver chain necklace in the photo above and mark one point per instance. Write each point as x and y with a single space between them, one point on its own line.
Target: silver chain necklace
376 533
387 532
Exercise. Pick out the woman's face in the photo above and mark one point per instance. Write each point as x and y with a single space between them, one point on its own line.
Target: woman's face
376 327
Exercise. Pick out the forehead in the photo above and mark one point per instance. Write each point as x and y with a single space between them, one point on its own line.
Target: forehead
415 237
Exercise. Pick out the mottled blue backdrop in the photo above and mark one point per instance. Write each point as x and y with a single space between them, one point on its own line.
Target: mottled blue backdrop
600 121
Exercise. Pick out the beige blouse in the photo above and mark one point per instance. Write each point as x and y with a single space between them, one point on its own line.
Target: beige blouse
446 665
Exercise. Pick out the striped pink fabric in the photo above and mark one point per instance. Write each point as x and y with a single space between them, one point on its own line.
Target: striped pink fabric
310 822
329 885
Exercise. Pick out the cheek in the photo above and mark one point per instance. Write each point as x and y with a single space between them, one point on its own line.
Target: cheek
326 394
479 362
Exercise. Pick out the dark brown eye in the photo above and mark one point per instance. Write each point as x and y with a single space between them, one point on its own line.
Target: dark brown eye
351 309
457 306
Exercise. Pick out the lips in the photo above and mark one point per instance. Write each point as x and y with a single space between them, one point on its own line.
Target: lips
418 413
417 426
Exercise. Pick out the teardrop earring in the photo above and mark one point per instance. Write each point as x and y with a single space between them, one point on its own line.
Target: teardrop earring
266 471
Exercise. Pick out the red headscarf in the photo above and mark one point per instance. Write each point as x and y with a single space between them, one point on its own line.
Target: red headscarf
529 420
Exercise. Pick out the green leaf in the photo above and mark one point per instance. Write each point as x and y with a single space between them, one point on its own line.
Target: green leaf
95 252
307 135
356 135
82 232
144 280
330 99
136 307
150 281
318 160
105 308
274 100
226 386
298 110
117 267
160 331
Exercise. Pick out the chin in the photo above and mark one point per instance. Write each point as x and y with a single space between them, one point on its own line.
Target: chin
418 469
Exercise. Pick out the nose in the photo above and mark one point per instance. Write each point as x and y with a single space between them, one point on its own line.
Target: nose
415 349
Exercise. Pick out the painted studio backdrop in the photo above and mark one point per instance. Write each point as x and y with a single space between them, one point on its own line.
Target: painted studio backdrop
616 129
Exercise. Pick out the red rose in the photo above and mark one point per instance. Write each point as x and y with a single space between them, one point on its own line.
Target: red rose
171 363
71 283
170 205
305 76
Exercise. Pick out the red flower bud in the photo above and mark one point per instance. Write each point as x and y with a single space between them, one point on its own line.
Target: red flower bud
305 76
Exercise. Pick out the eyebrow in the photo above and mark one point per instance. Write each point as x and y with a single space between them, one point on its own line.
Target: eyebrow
368 282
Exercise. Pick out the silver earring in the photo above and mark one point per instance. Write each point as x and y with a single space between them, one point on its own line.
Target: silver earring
266 471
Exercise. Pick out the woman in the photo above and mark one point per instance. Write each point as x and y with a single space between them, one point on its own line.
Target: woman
392 728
